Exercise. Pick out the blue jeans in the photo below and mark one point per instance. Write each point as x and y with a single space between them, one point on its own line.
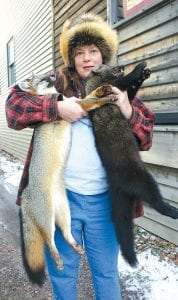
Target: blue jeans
91 225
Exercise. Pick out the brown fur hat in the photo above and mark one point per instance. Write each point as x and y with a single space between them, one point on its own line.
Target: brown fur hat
86 30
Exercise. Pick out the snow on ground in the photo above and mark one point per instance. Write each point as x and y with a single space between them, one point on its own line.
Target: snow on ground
155 279
10 170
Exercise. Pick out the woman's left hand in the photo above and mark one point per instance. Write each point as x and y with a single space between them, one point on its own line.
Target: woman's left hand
123 102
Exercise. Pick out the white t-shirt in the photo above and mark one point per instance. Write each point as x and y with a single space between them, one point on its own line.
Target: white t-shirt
84 173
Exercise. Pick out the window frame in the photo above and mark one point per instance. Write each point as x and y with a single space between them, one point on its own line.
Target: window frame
10 61
166 118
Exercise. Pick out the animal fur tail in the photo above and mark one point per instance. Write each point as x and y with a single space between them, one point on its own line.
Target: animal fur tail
32 249
123 221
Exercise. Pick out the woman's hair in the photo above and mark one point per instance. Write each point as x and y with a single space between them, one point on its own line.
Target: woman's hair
72 83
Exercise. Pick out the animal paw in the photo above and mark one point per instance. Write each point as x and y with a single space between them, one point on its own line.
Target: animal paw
174 213
103 90
146 73
59 264
141 72
113 98
166 209
78 248
139 69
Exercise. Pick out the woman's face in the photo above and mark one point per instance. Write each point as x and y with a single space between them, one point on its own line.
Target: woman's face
86 58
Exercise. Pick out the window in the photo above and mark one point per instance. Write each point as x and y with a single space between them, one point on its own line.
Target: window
114 11
10 62
117 10
133 6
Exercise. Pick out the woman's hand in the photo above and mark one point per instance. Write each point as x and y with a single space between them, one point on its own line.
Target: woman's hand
123 102
69 110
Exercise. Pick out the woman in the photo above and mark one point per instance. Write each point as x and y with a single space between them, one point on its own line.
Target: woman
84 44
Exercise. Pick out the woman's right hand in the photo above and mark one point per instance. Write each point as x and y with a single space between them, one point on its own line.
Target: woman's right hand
69 110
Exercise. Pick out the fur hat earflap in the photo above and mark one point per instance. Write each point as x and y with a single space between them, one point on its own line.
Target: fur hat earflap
86 30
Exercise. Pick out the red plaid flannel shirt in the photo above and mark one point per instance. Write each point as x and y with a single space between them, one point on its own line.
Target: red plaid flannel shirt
24 110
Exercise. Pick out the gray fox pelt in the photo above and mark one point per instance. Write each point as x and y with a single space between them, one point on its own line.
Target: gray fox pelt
127 175
44 201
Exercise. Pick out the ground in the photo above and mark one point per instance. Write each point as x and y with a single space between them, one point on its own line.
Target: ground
155 278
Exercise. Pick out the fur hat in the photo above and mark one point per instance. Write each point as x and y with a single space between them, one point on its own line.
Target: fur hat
86 30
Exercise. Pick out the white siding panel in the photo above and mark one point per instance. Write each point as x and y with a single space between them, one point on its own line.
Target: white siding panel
17 142
31 26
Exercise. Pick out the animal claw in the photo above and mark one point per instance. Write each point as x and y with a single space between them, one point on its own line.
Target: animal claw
59 264
146 73
78 248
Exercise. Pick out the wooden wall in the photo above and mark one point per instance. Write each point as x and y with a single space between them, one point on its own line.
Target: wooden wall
151 35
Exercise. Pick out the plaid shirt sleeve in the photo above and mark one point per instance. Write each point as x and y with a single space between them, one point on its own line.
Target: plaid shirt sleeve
141 124
24 110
